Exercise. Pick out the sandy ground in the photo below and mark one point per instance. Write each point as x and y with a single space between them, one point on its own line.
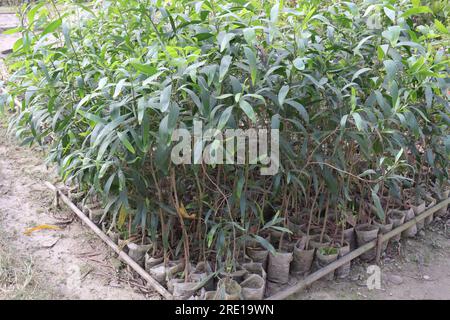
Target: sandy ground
71 263
68 263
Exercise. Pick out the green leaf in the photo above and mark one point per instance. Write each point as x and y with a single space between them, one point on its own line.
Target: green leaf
282 94
398 156
249 35
360 72
392 34
226 41
360 123
211 234
390 13
440 26
247 108
391 68
12 31
102 83
165 98
142 105
144 68
379 208
331 181
264 243
52 26
299 64
123 137
224 65
300 108
415 11
360 44
224 117
119 88
251 59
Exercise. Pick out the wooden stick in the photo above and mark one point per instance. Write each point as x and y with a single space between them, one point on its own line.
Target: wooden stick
150 280
379 247
354 254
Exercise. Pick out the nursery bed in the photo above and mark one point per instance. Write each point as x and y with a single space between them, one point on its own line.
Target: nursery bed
285 292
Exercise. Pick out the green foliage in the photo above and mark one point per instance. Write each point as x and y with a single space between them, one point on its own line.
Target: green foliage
358 91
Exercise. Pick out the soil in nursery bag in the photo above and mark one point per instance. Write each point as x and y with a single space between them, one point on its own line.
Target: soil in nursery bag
162 273
344 271
419 208
349 237
430 202
151 261
325 256
137 252
315 242
278 266
184 290
273 288
201 273
296 225
96 215
254 268
253 287
208 295
397 218
302 258
410 232
364 234
258 254
444 196
228 289
285 241
171 283
237 275
384 228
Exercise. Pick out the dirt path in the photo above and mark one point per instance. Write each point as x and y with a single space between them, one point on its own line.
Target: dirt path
70 263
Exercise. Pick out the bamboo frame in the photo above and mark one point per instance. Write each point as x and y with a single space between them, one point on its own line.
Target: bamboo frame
356 253
122 255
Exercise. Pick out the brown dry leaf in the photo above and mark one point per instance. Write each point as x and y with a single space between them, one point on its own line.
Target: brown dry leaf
122 216
29 231
183 213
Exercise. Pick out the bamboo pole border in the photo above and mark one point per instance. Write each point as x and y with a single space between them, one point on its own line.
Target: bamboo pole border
122 255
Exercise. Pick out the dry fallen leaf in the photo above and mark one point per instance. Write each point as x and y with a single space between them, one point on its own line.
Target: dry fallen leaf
29 231
182 211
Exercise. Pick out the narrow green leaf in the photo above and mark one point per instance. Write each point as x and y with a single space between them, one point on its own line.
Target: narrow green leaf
247 108
282 94
144 68
251 59
224 66
165 98
52 26
416 11
123 137
224 117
